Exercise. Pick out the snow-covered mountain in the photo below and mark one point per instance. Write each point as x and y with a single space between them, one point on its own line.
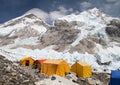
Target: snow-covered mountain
90 36
24 30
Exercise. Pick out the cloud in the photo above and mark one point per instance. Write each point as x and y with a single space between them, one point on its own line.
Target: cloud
39 13
62 11
112 8
111 0
52 15
85 5
56 14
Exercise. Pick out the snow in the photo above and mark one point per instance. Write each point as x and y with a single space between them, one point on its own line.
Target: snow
83 34
19 42
6 30
40 29
94 23
25 21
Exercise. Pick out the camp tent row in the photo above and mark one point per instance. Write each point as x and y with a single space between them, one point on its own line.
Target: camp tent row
59 67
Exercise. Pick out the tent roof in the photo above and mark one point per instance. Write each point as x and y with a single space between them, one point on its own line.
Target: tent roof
25 58
41 61
115 74
53 61
83 63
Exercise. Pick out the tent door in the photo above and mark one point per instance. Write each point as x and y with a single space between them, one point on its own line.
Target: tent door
27 63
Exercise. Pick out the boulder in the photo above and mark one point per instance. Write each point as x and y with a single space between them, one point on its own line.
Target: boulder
113 29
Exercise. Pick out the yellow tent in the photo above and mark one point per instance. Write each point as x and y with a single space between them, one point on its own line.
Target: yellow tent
58 67
82 69
26 61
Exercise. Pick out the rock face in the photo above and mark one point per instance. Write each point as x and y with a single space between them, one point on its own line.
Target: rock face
60 37
113 29
66 24
85 45
12 74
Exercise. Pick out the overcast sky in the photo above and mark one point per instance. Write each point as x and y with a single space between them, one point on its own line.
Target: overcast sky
55 8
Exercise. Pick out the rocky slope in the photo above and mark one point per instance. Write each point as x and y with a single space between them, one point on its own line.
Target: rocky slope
13 74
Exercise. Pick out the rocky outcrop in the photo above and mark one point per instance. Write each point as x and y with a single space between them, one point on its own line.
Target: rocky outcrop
56 36
13 74
85 45
113 29
65 24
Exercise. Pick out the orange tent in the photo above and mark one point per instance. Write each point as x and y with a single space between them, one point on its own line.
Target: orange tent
26 61
58 67
37 63
82 69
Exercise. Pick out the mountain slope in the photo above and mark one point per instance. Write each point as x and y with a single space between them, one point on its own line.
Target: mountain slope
22 30
83 37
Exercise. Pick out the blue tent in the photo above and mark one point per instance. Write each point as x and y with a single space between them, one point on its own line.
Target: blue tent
115 78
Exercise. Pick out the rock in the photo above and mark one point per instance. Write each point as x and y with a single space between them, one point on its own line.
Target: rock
90 81
71 76
59 37
8 69
115 22
26 81
13 74
98 82
85 45
113 29
15 64
102 60
53 78
108 76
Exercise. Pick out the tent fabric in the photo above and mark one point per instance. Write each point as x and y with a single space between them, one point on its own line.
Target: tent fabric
37 63
41 61
58 67
115 78
26 61
82 69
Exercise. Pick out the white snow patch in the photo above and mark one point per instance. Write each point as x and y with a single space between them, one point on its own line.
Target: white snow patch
18 41
7 30
40 29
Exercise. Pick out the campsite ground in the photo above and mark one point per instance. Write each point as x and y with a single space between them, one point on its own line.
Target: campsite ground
13 74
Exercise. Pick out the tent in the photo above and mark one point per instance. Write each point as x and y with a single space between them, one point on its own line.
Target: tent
82 69
59 67
26 61
37 63
115 77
